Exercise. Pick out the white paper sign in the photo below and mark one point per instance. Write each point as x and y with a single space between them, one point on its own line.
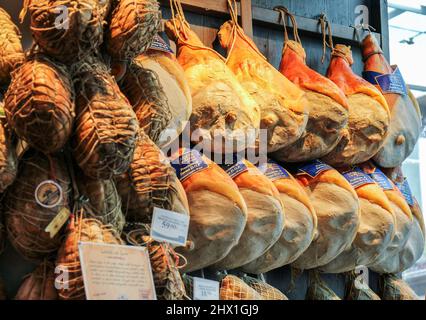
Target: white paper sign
205 289
169 226
116 272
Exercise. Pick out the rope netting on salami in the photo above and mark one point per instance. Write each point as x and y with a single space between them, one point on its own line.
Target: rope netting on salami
132 28
67 30
8 160
39 284
165 263
39 103
80 229
150 182
106 125
41 191
11 51
234 288
103 200
266 291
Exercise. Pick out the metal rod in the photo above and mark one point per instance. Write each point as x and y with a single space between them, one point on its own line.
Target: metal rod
395 12
417 87
422 9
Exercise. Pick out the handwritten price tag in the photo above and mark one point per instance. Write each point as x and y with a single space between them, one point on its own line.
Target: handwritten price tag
205 289
169 226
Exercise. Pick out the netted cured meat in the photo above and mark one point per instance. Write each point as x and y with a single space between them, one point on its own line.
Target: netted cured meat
80 229
106 126
103 201
233 288
28 212
318 289
11 52
8 161
150 182
266 291
66 29
392 287
39 104
156 86
356 289
134 23
164 263
40 284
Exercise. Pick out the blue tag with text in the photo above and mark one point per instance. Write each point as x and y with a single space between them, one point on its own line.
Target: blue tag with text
160 45
233 170
190 162
388 83
381 179
404 187
313 168
274 171
357 178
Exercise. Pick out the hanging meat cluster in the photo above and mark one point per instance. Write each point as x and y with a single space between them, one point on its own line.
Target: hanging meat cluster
94 121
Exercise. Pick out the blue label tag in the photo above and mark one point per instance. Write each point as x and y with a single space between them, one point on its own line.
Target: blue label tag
388 83
313 168
274 171
160 45
235 169
404 187
357 178
381 179
190 162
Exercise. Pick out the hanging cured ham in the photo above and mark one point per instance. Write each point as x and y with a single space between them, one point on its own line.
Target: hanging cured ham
156 86
299 226
376 229
150 182
265 215
217 209
337 209
283 105
223 111
405 120
414 247
11 51
368 113
388 262
328 106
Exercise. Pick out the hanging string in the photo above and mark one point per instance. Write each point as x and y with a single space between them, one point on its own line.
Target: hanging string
237 30
325 27
284 13
24 10
181 32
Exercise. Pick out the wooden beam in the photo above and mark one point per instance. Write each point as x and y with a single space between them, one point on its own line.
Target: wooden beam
246 17
210 7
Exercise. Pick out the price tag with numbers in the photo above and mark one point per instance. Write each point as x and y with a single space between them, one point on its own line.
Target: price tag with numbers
169 226
205 289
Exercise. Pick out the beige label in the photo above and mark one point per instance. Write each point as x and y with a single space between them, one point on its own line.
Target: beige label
115 272
57 223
